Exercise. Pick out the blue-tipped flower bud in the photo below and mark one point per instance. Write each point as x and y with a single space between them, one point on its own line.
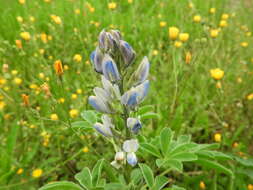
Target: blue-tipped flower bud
142 72
105 128
116 35
132 159
98 104
96 58
127 52
135 95
110 69
119 156
103 41
134 125
111 89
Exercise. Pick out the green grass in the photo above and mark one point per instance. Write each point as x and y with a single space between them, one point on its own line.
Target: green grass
184 95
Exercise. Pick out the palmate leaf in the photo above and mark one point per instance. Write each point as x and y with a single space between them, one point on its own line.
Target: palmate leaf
160 182
147 147
165 140
147 174
62 185
89 116
84 178
96 172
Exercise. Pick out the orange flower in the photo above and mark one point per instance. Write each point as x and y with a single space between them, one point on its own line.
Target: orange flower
188 57
18 44
58 67
25 99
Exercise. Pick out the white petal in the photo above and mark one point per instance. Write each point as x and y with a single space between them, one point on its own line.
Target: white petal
130 145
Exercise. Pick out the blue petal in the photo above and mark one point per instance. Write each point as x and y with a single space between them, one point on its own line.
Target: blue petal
132 100
132 159
110 70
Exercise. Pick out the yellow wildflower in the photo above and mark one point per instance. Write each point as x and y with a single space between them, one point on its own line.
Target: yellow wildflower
54 116
173 32
217 137
188 57
22 2
202 185
217 73
20 171
212 10
214 33
17 81
56 19
183 37
112 5
85 149
58 67
178 44
224 16
25 36
244 44
223 23
77 58
37 173
73 113
163 24
197 18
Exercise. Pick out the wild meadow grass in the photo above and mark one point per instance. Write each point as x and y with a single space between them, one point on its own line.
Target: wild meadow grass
200 95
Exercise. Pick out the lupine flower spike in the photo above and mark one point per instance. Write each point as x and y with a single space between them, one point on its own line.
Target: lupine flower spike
111 58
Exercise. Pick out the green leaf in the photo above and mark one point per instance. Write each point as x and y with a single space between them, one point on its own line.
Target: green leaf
136 176
150 115
62 185
84 178
145 109
82 125
184 156
96 172
150 149
147 174
214 165
174 164
165 139
115 186
89 116
184 139
175 187
160 182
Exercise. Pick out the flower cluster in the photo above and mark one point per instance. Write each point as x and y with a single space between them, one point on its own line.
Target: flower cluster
121 93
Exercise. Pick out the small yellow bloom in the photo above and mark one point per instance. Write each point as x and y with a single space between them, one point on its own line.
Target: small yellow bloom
56 19
18 44
178 44
73 113
32 19
17 81
197 18
239 80
77 11
173 32
47 1
58 67
112 5
188 57
202 185
217 137
248 33
61 100
155 52
41 75
224 16
163 24
74 96
22 2
66 67
212 10
79 91
42 51
130 1
244 44
77 58
183 37
85 149
54 116
223 23
37 173
25 36
190 5
214 33
20 171
250 96
20 19
250 187
14 72
43 37
2 105
217 73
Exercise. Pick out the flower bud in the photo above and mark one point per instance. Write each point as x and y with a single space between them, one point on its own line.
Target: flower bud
104 130
142 72
110 69
127 52
98 104
97 59
132 159
134 125
119 156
